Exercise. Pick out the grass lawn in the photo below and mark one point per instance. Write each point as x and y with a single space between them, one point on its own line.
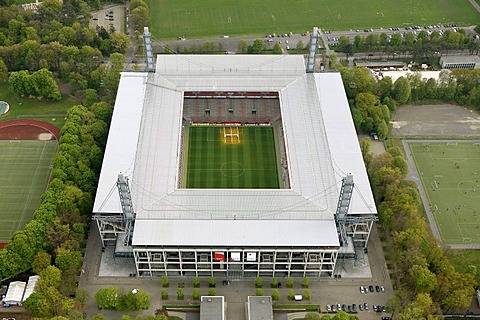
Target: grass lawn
247 163
450 175
24 173
466 261
53 112
207 18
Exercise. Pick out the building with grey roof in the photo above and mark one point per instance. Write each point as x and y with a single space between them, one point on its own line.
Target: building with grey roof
460 62
259 308
212 308
290 231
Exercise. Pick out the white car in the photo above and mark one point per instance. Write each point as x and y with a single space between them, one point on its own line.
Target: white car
362 289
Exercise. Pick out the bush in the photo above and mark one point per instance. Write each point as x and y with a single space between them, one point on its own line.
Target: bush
165 282
289 282
306 294
180 294
164 294
196 283
107 298
258 282
259 292
196 294
291 295
274 283
211 282
275 294
305 282
212 292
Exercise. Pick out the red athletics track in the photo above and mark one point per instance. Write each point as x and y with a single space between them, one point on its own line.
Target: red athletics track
28 130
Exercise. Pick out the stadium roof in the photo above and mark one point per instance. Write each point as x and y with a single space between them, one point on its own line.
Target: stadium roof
145 134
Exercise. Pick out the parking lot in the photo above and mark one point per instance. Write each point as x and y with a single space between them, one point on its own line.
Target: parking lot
109 16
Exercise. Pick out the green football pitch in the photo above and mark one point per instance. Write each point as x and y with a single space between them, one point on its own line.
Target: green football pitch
248 161
450 175
25 168
207 18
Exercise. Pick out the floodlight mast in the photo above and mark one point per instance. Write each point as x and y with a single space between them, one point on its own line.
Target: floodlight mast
312 54
346 192
147 42
127 207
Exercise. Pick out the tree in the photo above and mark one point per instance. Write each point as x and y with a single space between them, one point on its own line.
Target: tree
3 71
258 282
46 85
196 282
305 282
259 292
242 46
312 316
212 292
165 281
424 280
275 294
196 294
107 298
211 282
274 283
418 308
66 258
342 315
164 294
257 46
180 294
401 90
277 49
41 262
300 45
306 294
289 282
291 294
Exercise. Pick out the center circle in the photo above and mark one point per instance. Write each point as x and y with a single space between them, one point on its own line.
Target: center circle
232 169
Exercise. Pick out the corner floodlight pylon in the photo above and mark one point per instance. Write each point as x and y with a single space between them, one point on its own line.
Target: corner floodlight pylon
312 54
147 42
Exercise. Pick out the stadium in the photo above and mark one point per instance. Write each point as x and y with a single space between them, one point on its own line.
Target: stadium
233 166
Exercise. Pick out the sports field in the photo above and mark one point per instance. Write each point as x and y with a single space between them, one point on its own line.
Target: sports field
231 158
450 175
25 168
206 18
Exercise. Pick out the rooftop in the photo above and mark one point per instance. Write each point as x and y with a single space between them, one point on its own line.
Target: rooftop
144 143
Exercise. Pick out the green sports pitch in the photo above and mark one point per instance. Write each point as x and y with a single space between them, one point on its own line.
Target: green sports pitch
231 158
207 18
450 175
25 168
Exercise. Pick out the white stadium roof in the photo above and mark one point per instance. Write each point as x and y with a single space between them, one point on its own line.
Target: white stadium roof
144 144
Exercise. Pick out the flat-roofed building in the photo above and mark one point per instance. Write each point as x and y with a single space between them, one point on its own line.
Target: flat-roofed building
212 308
460 62
259 308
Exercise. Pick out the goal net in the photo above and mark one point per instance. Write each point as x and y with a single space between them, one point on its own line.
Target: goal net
231 135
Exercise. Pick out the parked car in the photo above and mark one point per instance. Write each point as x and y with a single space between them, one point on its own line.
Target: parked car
370 288
339 307
334 308
377 288
365 305
362 290
354 307
360 307
329 308
382 288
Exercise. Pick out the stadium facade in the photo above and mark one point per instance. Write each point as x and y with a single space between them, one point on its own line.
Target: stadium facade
233 233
